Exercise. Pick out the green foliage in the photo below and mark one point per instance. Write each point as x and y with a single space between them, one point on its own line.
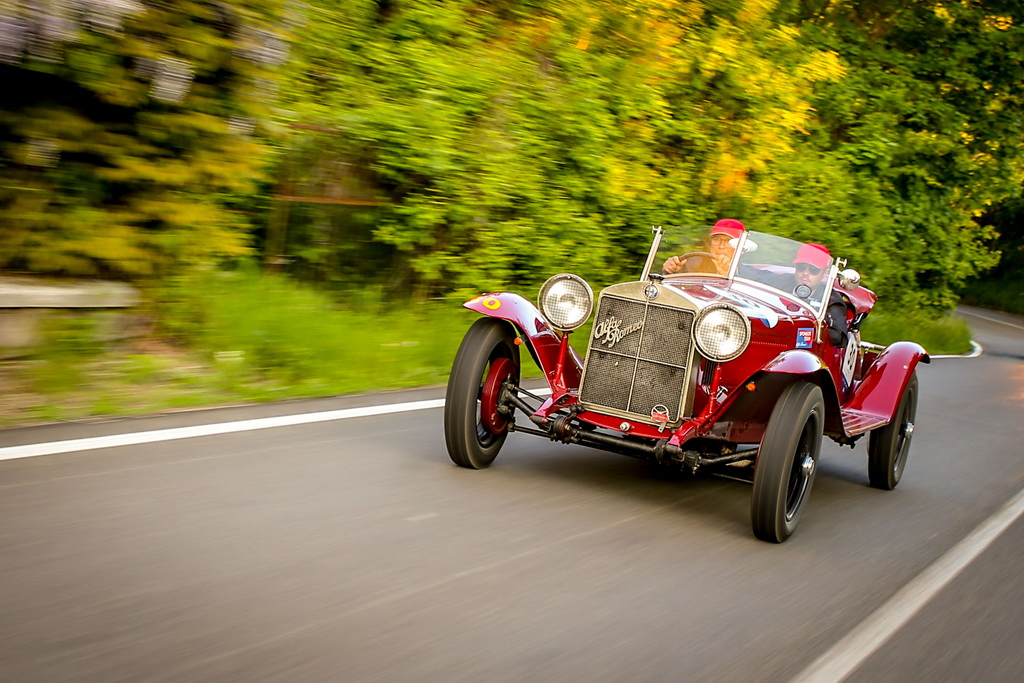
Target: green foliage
124 137
70 335
68 341
268 337
1002 288
293 343
997 292
140 368
926 120
514 143
506 140
517 140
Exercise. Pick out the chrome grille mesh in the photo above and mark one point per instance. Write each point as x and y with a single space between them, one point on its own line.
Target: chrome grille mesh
657 384
666 336
642 369
608 378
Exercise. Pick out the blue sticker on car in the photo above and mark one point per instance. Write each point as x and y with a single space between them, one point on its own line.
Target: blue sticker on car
804 337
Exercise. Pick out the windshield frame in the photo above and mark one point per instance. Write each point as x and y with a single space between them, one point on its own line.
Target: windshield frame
658 231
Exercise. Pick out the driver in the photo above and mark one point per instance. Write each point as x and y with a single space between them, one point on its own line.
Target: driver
809 268
720 245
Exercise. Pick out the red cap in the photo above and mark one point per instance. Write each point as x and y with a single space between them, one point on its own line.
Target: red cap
728 226
815 254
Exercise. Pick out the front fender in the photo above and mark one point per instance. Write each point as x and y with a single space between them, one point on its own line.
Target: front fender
542 340
796 362
766 385
879 393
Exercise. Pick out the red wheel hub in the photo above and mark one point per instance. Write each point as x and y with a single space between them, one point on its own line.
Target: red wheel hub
490 418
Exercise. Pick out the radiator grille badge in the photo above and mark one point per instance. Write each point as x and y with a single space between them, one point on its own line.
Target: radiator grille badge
659 413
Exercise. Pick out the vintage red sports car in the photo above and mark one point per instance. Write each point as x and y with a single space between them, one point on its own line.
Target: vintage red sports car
732 372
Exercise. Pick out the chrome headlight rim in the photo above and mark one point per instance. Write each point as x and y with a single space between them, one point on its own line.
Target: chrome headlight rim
556 321
702 346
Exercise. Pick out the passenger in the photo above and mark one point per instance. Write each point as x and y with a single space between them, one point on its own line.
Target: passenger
720 246
809 268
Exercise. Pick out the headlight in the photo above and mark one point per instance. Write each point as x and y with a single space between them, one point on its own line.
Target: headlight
721 332
566 301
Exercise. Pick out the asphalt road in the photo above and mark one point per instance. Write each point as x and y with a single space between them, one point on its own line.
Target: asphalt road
353 550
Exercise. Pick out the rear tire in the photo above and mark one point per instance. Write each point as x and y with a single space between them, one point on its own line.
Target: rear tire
889 446
787 462
487 349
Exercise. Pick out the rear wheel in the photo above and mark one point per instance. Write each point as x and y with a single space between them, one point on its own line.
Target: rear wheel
889 446
474 428
787 462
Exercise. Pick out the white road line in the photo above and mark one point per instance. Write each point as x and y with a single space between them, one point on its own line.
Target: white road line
157 435
849 653
990 319
135 438
975 351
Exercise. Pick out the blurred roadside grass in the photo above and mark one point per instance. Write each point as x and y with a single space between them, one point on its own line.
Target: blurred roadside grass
945 335
240 337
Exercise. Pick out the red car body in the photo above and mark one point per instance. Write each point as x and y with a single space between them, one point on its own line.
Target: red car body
687 409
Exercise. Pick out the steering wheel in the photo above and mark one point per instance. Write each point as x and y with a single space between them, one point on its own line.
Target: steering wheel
707 263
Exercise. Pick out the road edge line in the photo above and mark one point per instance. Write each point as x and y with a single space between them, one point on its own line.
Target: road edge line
157 435
991 319
845 656
976 350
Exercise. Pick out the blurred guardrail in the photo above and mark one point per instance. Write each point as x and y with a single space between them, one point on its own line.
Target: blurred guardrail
25 304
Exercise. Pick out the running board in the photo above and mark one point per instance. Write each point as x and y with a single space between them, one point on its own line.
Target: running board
856 422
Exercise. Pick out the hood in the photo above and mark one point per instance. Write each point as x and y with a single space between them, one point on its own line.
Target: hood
756 301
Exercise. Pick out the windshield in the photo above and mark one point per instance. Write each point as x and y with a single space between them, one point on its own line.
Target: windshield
756 256
803 271
692 251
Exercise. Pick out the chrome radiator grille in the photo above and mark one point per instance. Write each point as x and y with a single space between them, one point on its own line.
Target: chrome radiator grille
638 358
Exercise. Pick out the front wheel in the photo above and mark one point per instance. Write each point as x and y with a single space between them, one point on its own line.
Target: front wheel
787 461
888 446
474 428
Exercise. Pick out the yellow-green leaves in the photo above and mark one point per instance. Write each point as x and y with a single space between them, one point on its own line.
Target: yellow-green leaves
119 152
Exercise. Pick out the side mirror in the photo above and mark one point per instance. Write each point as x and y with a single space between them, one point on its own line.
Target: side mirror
849 279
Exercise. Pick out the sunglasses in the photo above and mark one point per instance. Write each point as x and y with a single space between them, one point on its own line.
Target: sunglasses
813 270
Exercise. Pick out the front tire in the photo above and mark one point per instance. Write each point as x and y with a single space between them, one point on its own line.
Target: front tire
487 357
787 462
889 446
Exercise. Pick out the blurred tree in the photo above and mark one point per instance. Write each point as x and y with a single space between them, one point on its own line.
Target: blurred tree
516 139
505 140
924 133
126 128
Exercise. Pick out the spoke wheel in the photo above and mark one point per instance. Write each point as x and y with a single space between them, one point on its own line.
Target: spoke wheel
889 446
474 429
787 462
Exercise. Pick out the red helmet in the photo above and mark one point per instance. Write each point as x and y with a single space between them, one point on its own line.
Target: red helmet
814 254
728 226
